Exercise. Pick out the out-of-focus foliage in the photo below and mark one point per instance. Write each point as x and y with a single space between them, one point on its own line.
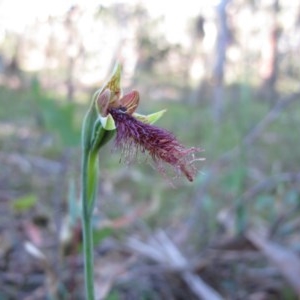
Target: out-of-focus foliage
56 117
24 203
249 181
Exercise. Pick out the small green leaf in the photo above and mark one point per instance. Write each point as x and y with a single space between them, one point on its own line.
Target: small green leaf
23 204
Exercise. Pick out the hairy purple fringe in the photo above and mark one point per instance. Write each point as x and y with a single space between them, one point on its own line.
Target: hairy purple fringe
134 135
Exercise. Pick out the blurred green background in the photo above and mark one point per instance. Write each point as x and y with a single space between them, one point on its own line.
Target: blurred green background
228 75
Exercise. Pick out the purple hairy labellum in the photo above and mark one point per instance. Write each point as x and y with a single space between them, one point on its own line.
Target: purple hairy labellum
135 136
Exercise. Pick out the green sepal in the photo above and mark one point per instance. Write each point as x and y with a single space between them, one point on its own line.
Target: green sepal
108 135
150 119
102 135
87 132
98 133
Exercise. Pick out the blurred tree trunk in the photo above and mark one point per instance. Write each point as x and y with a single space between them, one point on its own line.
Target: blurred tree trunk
74 49
13 66
195 54
219 66
269 56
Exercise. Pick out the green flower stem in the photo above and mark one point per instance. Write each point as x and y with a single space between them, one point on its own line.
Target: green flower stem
87 228
92 180
88 258
89 189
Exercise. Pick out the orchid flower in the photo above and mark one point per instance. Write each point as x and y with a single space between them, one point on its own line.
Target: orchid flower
135 132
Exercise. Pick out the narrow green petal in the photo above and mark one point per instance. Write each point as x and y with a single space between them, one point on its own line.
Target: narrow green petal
150 119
